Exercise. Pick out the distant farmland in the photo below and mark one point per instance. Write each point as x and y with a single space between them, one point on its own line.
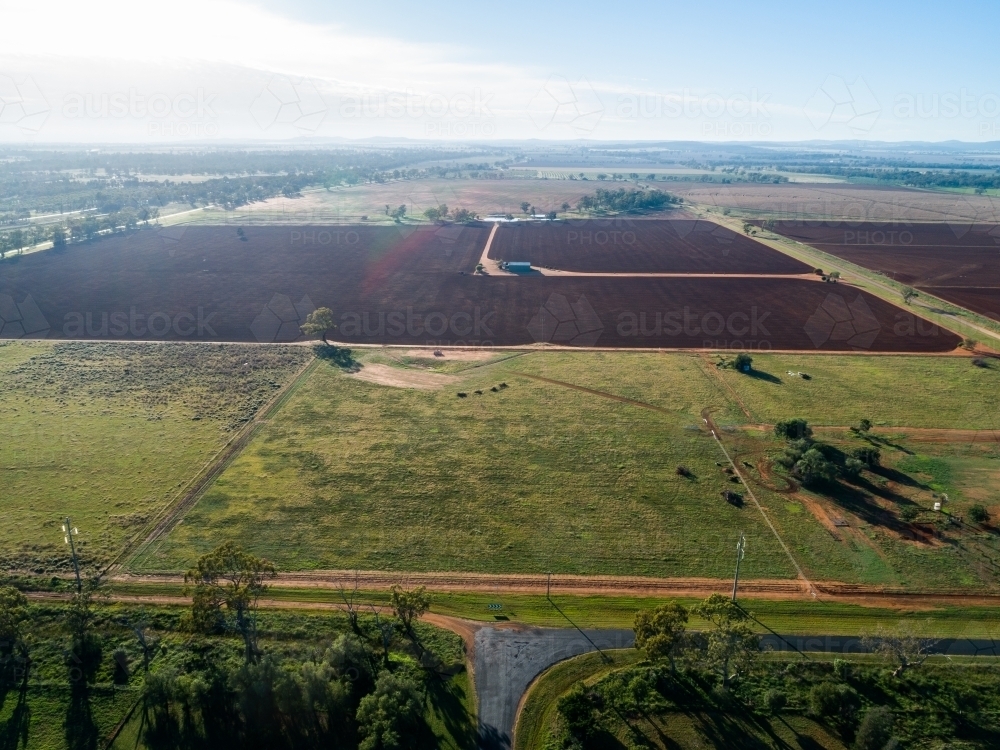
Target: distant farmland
957 261
416 286
640 246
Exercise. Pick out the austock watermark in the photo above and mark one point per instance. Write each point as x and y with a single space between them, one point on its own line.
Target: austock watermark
461 114
738 330
184 114
139 325
735 115
435 328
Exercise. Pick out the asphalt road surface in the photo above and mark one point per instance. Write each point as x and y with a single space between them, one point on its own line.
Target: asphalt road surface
507 660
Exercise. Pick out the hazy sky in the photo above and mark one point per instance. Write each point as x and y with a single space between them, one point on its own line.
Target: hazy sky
219 70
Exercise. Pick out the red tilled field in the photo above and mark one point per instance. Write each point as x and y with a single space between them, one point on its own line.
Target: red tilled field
414 287
639 246
959 262
916 254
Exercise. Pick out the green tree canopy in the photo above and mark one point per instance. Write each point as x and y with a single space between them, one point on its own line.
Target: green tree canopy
318 322
234 579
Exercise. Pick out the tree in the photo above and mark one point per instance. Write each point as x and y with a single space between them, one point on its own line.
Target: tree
398 214
17 240
978 514
13 613
551 216
432 214
409 605
565 207
869 455
875 730
390 717
525 207
661 632
235 579
743 362
908 294
58 238
463 215
864 425
901 647
731 647
318 322
793 429
834 276
814 468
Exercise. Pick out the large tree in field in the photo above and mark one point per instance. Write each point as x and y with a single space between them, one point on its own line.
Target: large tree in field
234 579
731 646
318 322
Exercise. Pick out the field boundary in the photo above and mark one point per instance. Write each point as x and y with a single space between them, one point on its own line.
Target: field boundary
196 487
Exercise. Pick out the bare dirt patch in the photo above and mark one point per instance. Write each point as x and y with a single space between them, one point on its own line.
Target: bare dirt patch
398 378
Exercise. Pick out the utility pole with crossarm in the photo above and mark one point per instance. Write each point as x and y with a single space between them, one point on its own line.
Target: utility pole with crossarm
741 548
69 532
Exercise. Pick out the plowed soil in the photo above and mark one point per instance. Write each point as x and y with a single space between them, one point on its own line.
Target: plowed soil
639 246
956 261
407 286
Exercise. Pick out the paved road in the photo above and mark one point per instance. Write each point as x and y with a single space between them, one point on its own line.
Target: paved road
507 660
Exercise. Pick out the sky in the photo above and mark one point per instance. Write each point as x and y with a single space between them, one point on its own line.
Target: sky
195 71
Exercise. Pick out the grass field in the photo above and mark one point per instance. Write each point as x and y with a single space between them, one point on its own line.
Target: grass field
532 477
109 434
946 392
542 476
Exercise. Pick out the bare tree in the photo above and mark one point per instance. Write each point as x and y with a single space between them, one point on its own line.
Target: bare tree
901 646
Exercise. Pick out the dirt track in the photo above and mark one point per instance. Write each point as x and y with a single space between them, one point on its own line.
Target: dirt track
623 586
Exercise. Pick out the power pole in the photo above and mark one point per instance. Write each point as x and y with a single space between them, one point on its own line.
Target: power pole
70 532
741 548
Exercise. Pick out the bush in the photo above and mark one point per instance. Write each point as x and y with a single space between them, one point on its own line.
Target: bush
980 362
868 455
978 514
793 429
578 711
853 467
875 731
775 700
733 498
829 700
743 362
909 513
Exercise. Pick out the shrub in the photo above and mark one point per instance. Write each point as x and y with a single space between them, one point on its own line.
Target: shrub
793 429
743 362
978 514
774 700
980 362
733 498
909 512
829 700
578 711
853 467
868 455
875 731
